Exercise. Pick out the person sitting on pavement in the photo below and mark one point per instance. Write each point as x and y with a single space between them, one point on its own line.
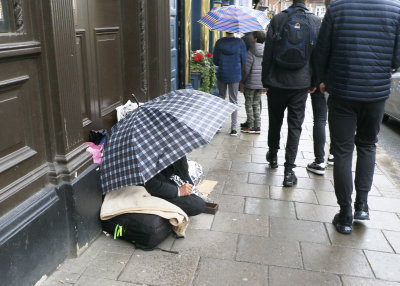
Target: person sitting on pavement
253 85
163 186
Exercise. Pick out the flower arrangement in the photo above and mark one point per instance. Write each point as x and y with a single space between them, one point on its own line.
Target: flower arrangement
201 61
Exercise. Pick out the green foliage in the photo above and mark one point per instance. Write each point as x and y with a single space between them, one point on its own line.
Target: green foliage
201 61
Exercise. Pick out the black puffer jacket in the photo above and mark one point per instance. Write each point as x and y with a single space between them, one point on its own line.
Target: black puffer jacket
276 76
358 48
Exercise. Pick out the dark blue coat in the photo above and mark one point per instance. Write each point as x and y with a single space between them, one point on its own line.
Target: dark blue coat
358 48
229 56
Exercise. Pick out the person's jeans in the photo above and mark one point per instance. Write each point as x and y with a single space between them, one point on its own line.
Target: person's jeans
253 106
233 92
320 113
295 102
352 123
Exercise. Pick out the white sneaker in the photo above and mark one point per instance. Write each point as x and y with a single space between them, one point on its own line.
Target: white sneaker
316 168
330 161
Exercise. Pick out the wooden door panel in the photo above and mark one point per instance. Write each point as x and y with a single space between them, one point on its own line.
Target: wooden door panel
109 69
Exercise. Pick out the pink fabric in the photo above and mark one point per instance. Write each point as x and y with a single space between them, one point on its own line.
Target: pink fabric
95 150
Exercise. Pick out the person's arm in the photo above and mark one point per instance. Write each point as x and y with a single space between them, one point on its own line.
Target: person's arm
268 55
216 54
243 52
248 67
160 186
313 64
396 52
322 54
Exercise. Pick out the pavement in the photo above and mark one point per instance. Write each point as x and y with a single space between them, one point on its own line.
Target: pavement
263 234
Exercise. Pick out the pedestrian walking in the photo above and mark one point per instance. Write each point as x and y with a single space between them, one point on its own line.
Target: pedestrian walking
288 75
253 86
357 51
320 117
229 56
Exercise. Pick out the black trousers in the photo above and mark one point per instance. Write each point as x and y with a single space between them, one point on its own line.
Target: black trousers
320 113
295 102
192 205
354 123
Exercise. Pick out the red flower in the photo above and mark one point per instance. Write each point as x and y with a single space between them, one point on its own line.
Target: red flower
209 54
200 56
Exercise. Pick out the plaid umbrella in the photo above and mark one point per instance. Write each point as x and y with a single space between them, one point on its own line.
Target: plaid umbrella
159 133
235 19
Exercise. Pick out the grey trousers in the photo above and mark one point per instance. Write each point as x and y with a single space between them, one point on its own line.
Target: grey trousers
233 93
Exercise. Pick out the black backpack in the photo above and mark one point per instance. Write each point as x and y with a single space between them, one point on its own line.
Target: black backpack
146 231
294 43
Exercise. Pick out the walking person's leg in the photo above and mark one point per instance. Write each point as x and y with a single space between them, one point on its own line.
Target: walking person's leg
222 86
277 102
368 126
248 95
256 111
320 113
342 123
295 119
233 89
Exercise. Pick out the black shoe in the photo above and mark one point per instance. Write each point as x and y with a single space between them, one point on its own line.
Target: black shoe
255 130
234 132
272 159
244 125
316 168
343 224
361 211
290 179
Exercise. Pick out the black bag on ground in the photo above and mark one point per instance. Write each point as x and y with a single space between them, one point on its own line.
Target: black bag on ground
146 231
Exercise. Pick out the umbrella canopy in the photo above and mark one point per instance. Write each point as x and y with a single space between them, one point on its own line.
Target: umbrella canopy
235 19
159 133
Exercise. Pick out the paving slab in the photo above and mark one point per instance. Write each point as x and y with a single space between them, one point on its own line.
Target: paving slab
356 281
293 195
107 265
315 212
384 204
334 259
234 157
227 203
207 243
269 251
270 179
241 223
280 276
228 176
96 281
60 278
298 230
268 207
362 238
201 221
160 268
386 266
223 272
246 190
394 239
249 167
382 220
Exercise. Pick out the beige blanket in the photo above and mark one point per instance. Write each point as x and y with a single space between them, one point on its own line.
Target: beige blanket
136 199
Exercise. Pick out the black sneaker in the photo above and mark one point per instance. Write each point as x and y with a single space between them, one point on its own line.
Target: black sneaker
244 124
343 224
255 130
245 129
234 132
361 211
316 168
330 161
272 159
290 179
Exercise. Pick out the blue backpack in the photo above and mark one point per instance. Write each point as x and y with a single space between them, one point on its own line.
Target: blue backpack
294 43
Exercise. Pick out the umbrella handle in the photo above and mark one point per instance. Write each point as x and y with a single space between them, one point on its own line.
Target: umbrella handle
137 101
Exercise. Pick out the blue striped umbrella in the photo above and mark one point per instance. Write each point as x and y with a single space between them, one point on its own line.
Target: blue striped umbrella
235 19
